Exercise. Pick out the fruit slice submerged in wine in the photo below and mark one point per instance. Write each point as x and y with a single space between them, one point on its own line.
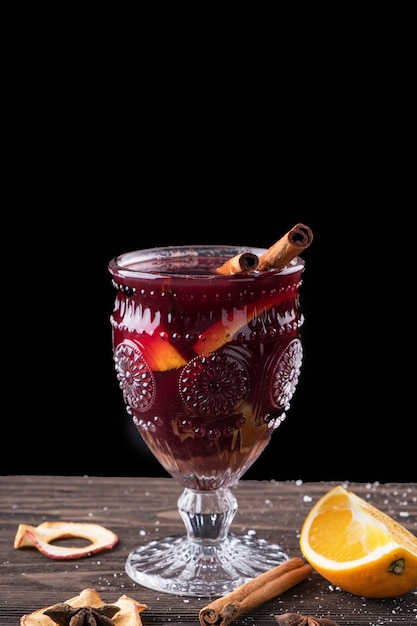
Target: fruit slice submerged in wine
161 355
225 329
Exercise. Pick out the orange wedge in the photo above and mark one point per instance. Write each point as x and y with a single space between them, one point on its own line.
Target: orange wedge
359 548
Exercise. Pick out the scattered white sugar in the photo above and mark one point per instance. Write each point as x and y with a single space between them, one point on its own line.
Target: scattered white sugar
142 533
307 498
404 514
251 533
298 482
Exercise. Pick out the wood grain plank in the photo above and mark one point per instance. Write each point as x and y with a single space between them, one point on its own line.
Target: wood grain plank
139 509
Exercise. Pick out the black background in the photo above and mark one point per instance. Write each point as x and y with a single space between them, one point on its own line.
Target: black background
105 156
348 419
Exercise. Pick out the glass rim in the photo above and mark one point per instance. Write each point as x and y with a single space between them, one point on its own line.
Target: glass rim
160 254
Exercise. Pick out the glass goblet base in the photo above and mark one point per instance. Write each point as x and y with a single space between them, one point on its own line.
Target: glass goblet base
184 567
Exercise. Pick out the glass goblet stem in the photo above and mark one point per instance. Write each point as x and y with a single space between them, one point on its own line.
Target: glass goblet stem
207 515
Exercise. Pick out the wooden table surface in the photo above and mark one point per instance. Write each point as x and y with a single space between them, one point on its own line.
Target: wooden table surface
139 509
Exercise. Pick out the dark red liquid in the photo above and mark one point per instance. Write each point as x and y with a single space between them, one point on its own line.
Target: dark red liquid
207 364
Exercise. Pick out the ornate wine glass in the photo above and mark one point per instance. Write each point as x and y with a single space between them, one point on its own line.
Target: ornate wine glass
207 364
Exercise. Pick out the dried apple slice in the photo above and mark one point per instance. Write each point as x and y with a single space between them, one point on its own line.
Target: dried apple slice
40 537
223 331
128 615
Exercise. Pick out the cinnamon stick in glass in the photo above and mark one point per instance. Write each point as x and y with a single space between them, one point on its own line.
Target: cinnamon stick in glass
243 262
255 592
297 239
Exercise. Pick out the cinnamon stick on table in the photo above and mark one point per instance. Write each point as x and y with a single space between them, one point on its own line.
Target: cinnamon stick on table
243 262
255 592
297 239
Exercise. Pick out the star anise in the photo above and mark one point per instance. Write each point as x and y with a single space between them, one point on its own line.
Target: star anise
64 614
295 619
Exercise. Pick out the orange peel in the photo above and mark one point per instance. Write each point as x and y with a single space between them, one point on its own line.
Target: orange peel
41 536
160 354
226 328
129 614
